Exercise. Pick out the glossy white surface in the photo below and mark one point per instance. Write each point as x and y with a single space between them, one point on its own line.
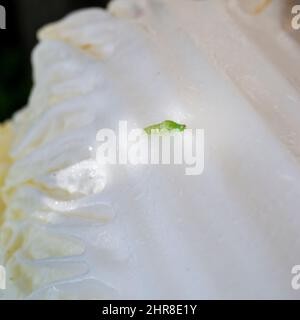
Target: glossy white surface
76 231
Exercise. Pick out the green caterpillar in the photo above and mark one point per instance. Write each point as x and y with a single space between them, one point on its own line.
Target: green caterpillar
167 125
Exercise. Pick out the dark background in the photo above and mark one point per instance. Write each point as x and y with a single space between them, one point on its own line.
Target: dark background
23 19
